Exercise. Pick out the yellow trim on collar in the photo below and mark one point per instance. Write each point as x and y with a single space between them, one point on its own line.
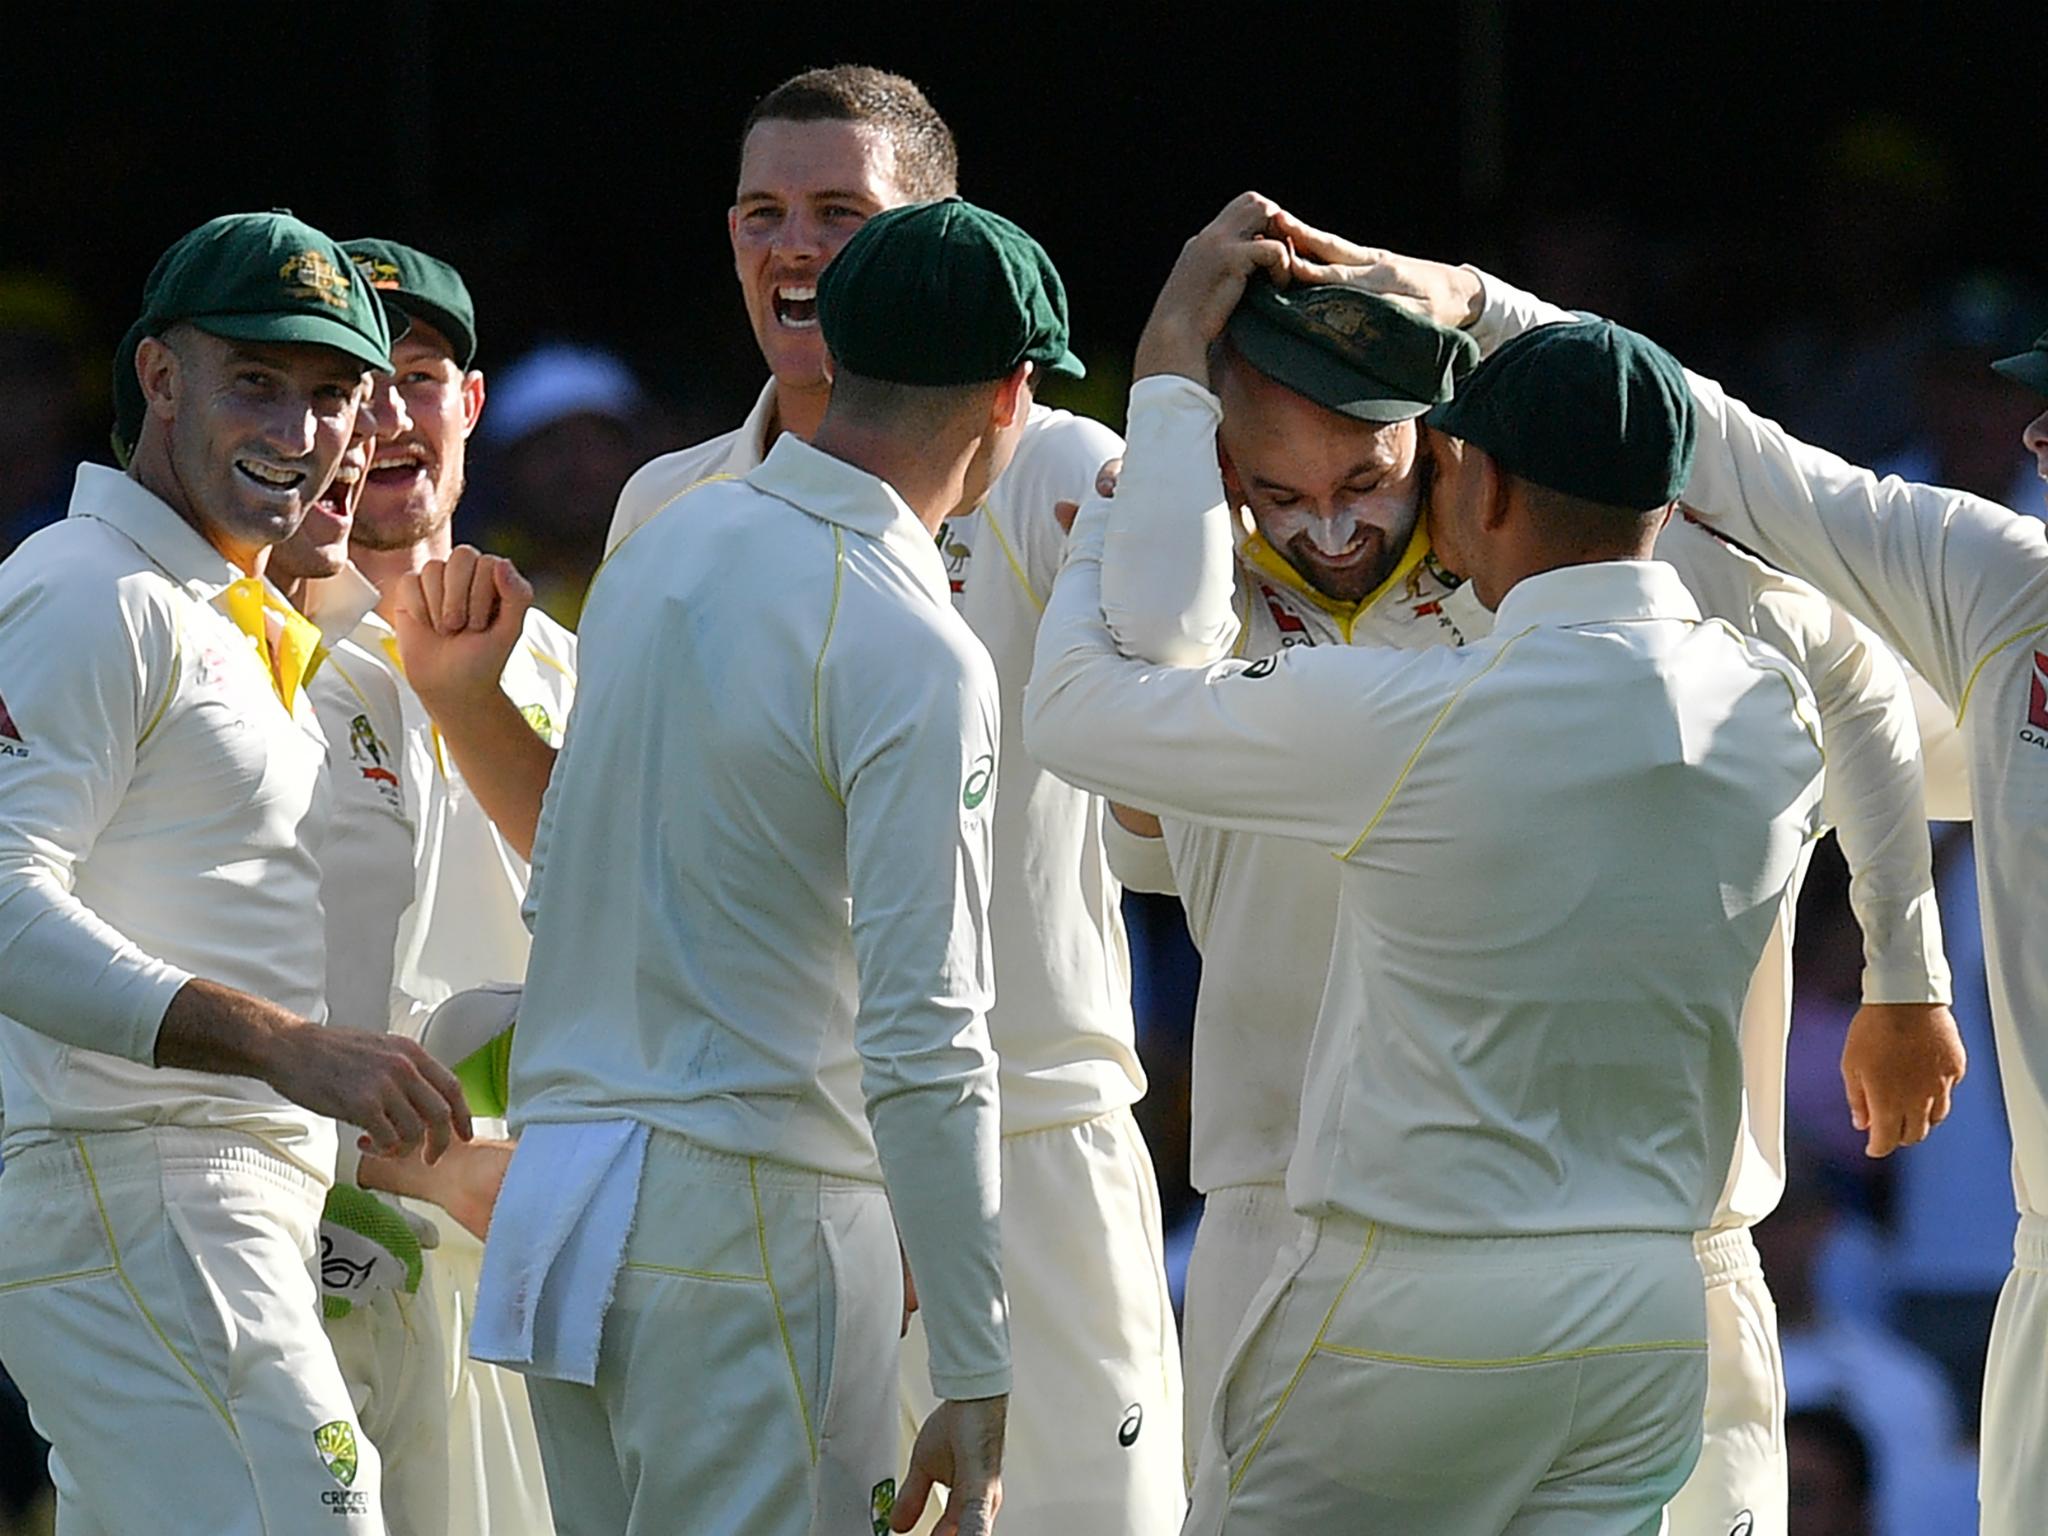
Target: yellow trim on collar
1269 563
249 601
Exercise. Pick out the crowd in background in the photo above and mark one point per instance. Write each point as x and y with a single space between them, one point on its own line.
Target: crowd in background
1869 333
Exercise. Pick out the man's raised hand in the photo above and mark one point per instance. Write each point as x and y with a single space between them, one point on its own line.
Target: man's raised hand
1206 284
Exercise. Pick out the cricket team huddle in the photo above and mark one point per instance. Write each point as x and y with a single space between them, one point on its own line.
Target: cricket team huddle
465 1076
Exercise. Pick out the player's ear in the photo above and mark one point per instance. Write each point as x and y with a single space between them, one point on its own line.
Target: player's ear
1013 396
1493 496
472 400
157 370
1233 487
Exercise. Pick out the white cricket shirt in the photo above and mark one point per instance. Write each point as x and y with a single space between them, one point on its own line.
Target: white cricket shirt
464 927
1563 848
366 865
762 871
1062 1022
161 816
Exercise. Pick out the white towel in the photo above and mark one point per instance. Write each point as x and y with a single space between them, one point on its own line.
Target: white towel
558 1237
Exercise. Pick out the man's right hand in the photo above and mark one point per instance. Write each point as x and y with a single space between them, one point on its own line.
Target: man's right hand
404 1100
960 1447
1451 296
1205 286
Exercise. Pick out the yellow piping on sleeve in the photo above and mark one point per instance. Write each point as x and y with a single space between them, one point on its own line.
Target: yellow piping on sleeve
818 669
723 474
177 674
1441 715
2005 644
1016 565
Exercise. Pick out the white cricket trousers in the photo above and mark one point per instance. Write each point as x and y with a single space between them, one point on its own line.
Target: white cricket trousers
395 1359
157 1311
495 1483
746 1379
2012 1470
1092 1445
1244 1230
1526 1386
1742 1470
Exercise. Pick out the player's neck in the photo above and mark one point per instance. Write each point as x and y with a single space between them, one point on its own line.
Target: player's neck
931 477
386 568
796 411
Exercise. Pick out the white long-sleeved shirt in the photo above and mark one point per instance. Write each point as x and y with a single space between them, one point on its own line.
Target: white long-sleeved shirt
1263 910
161 816
1562 850
1959 587
465 926
366 866
763 865
1062 1021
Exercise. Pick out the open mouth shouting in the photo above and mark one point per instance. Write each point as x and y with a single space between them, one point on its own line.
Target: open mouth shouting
399 468
795 305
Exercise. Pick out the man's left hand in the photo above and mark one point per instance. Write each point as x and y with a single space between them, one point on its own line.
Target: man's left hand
1900 1064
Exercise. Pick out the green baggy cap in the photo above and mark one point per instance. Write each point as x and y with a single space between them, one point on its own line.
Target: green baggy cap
1590 408
2029 367
1356 353
423 286
944 293
252 277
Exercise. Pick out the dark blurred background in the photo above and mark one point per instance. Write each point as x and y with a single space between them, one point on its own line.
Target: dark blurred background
1838 209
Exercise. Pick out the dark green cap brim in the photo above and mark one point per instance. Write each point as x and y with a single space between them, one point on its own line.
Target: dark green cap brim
2029 368
1308 370
1067 366
299 330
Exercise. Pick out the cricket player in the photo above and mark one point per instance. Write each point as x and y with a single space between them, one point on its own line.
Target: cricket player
1317 389
1097 1392
722 1095
472 793
1959 586
162 808
1524 1087
388 1342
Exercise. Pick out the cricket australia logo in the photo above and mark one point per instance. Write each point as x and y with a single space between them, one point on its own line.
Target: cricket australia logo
882 1504
336 1443
536 715
380 274
310 275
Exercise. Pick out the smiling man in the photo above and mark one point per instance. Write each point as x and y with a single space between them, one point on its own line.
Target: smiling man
1097 1396
162 810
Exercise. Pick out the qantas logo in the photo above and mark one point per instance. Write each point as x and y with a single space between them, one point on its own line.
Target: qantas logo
11 743
1292 630
2035 732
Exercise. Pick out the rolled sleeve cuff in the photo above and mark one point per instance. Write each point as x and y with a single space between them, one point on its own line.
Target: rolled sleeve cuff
962 1388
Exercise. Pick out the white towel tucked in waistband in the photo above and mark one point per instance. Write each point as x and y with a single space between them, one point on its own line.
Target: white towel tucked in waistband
558 1237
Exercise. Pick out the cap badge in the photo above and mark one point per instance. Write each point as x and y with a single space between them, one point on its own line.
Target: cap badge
312 276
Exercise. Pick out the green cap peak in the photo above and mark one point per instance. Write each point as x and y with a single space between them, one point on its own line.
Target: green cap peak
422 286
252 277
1589 408
1357 353
948 270
2029 367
